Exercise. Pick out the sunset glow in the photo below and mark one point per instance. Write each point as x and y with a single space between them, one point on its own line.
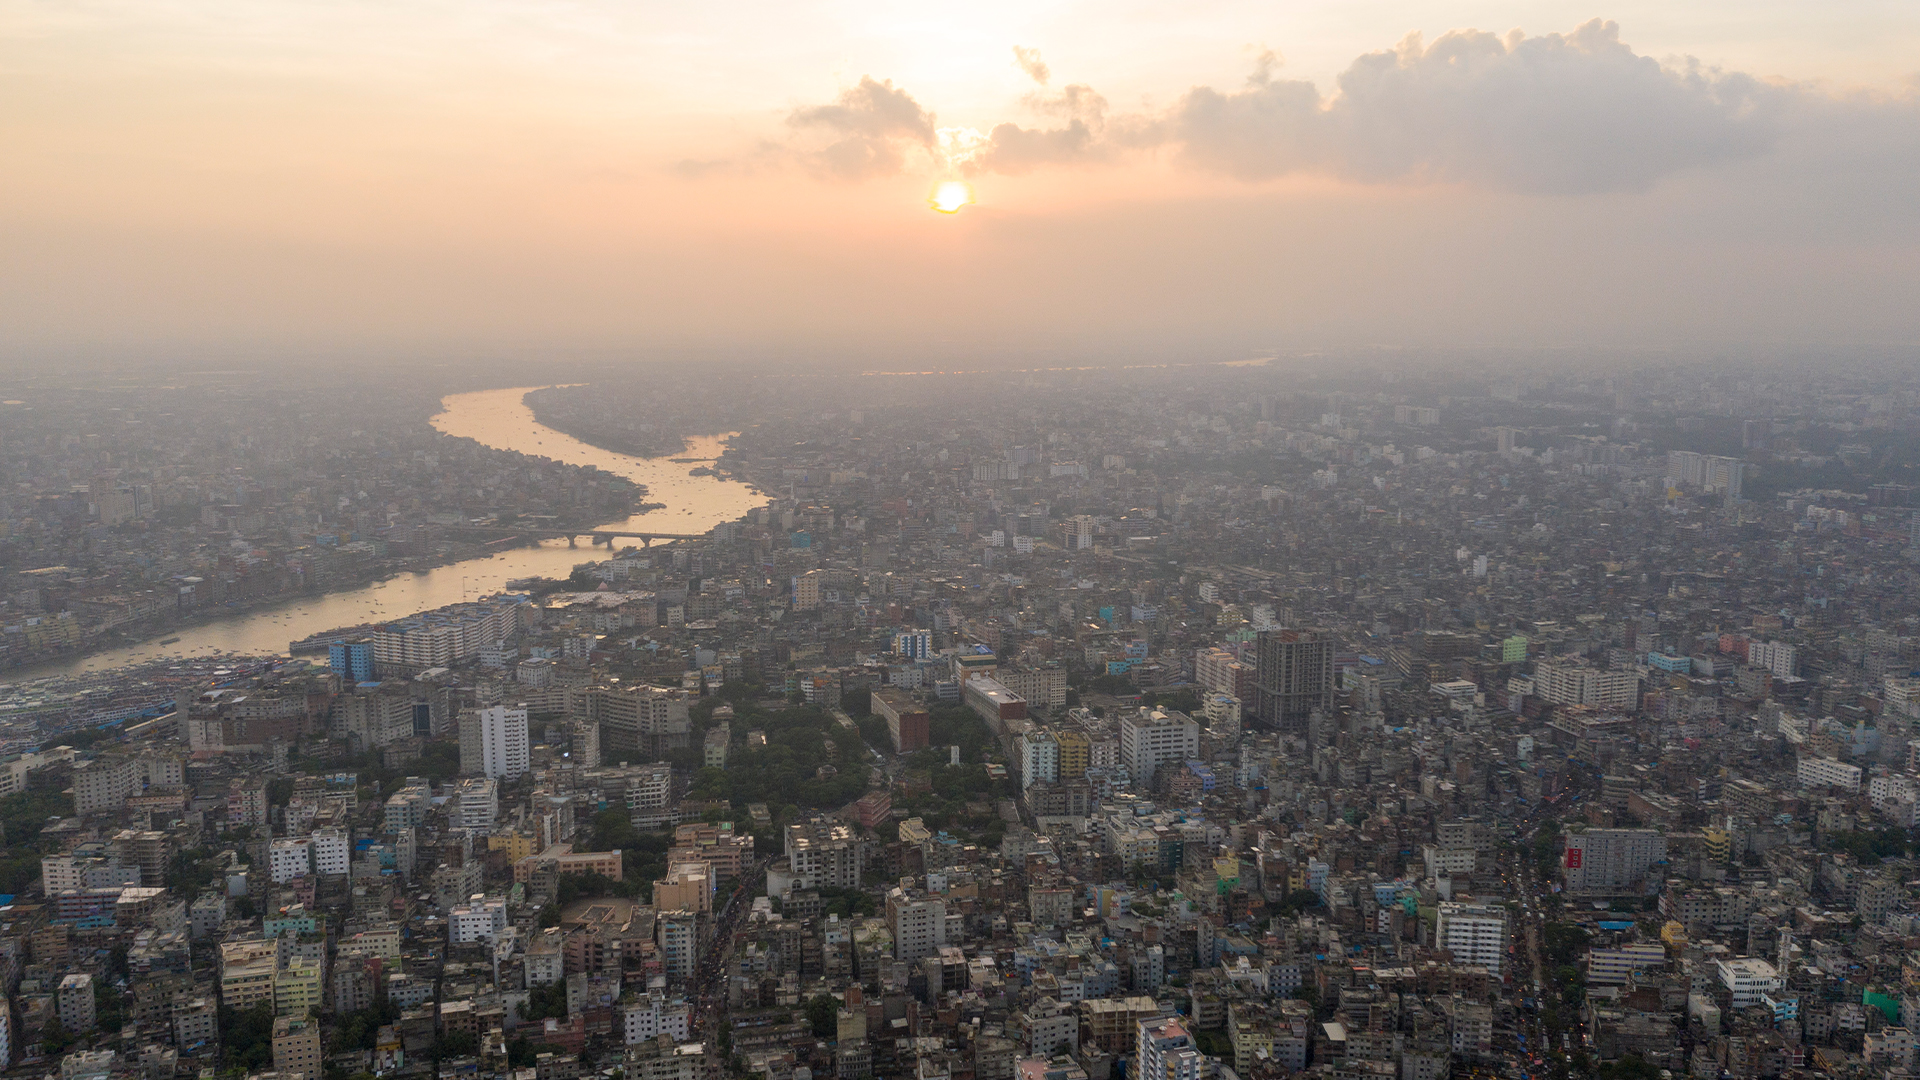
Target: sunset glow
1234 176
949 196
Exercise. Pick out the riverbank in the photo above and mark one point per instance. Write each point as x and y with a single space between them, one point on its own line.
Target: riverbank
500 420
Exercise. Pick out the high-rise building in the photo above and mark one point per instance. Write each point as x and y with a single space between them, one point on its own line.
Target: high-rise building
825 855
1075 751
477 920
1223 716
332 850
290 858
1166 1051
1604 862
914 644
351 660
1474 933
907 722
1221 672
493 742
1152 737
75 1003
476 805
296 1045
1293 676
679 945
918 922
1039 757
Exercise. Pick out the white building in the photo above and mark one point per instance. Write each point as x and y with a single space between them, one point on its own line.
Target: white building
290 858
1151 738
1777 657
477 805
332 851
1164 1050
104 784
1039 757
1746 979
1826 772
1577 684
918 923
503 742
61 872
1612 861
1474 933
654 1015
75 1003
1613 966
479 919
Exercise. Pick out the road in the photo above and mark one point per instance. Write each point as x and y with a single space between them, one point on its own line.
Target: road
708 991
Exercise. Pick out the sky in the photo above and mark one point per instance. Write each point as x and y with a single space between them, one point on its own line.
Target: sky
310 179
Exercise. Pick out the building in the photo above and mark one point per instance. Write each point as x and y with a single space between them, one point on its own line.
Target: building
1293 677
1045 685
1615 966
1610 862
475 805
994 702
1776 657
914 644
1567 683
1746 979
1039 757
1165 1050
907 722
1826 772
1221 672
407 808
351 660
688 886
638 722
296 1045
1075 753
246 972
298 988
679 944
823 855
332 850
290 858
1150 738
61 873
1223 716
477 920
918 923
493 742
105 783
75 1003
1473 933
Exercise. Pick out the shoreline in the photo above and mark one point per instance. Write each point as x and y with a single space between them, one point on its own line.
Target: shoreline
150 632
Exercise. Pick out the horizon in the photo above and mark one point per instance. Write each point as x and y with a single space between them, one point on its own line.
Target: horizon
1202 183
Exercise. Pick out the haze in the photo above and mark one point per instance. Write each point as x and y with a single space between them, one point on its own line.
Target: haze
1211 180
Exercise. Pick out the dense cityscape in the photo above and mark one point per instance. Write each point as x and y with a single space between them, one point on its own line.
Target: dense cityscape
1345 717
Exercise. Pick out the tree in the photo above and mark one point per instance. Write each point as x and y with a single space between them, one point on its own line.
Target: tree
823 1015
56 1039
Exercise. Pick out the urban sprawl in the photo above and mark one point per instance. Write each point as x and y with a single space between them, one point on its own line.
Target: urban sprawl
1171 724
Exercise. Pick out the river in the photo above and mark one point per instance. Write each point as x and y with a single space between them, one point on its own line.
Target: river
500 419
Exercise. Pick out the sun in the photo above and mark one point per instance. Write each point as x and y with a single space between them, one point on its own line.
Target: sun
950 195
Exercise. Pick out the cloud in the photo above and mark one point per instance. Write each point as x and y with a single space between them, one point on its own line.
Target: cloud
1029 61
1561 114
873 125
1011 148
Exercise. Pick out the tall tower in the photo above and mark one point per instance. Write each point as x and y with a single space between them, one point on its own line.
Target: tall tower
1292 676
